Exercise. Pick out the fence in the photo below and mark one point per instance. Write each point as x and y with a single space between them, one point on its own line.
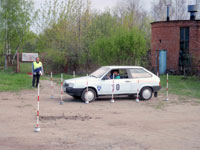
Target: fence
8 61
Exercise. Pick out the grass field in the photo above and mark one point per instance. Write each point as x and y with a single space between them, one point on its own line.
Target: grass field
179 85
14 82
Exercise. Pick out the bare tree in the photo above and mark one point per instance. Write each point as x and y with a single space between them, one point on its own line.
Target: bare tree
158 9
180 10
131 9
198 5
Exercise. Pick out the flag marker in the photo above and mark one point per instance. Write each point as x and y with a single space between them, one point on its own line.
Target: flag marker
113 89
167 92
52 86
61 91
87 96
74 74
37 128
137 97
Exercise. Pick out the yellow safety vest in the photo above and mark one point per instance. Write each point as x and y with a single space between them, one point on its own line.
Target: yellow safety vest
37 65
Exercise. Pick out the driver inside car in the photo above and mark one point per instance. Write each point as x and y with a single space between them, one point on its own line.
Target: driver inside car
114 73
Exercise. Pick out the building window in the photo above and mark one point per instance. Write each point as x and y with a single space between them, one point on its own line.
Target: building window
184 39
184 47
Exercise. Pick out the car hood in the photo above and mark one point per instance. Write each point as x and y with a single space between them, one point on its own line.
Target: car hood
82 80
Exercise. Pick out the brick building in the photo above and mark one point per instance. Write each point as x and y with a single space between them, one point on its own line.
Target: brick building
181 40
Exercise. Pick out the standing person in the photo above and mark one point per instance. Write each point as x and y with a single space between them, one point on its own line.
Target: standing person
37 70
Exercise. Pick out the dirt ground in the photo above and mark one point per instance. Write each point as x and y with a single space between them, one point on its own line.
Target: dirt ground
123 125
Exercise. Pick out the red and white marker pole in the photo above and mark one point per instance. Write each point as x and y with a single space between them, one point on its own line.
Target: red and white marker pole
74 74
113 89
167 86
37 128
52 86
61 90
137 97
87 96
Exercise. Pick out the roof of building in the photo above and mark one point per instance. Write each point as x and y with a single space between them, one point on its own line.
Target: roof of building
175 21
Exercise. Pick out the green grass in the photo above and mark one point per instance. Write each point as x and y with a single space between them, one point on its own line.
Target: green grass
179 85
25 67
14 82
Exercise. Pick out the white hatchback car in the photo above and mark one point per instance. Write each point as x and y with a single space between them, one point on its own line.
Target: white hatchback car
128 80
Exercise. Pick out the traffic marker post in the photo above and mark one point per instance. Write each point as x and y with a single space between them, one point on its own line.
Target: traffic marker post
61 91
74 74
52 85
137 97
37 128
113 89
167 86
87 96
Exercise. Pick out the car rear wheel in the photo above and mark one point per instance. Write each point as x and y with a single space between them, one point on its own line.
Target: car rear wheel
88 96
146 93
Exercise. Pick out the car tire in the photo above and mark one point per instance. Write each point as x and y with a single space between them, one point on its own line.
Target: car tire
91 94
146 93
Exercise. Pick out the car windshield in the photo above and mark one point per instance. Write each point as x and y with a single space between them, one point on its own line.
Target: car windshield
99 72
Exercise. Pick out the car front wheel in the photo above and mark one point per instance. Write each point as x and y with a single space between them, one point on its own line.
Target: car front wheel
146 93
88 96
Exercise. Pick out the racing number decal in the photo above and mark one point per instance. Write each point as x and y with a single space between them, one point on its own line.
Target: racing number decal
117 87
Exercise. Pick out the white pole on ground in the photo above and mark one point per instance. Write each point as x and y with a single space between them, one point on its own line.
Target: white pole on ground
167 94
137 98
87 96
113 88
51 85
61 90
37 128
74 74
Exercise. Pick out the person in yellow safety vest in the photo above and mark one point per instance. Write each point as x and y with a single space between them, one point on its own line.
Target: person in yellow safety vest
37 70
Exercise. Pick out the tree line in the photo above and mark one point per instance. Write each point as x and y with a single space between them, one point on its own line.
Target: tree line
71 35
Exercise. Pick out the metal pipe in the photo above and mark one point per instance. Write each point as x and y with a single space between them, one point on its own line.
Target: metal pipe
168 7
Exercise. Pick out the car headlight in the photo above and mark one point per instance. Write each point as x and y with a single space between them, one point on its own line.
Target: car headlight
65 83
71 85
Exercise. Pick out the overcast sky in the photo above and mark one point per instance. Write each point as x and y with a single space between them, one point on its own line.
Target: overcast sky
103 4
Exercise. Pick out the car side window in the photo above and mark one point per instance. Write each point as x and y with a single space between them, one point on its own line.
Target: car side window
123 74
118 74
139 73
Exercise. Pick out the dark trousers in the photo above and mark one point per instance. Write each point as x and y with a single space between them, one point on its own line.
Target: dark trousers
37 79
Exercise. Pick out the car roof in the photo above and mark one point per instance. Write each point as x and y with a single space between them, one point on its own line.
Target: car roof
122 67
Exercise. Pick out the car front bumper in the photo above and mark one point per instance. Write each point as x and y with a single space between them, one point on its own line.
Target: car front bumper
73 91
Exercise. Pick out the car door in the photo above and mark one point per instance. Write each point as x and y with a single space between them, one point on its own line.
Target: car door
105 88
139 78
121 86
